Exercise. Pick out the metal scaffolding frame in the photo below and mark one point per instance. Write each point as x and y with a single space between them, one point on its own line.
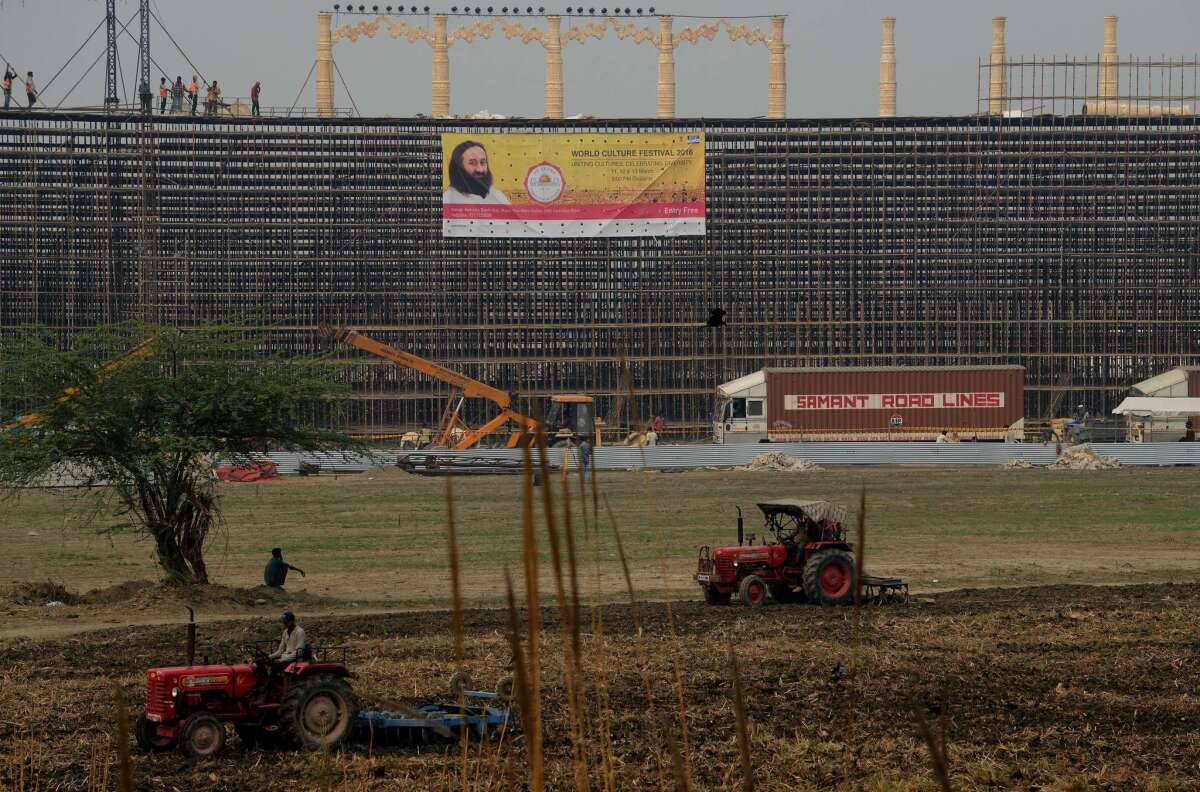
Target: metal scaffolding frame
1067 245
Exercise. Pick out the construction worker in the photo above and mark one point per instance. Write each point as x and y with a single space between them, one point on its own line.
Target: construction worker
164 91
255 90
177 95
585 455
9 76
213 100
293 645
30 89
146 98
193 90
275 573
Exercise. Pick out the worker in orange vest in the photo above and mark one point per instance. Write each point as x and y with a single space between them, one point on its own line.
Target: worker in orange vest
9 76
164 91
193 93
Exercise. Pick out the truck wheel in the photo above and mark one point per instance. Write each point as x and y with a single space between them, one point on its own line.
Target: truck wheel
202 735
829 578
753 591
146 733
318 712
714 596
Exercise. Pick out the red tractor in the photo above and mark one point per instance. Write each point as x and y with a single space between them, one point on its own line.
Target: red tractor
808 560
306 704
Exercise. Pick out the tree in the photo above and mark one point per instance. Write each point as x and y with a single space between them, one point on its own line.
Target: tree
144 410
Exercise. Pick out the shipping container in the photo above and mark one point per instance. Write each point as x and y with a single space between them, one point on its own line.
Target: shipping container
884 403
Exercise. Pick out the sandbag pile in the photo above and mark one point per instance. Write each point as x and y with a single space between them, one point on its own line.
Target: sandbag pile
1082 457
777 460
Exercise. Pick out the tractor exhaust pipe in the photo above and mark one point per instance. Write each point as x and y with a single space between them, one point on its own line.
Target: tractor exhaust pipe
191 636
741 527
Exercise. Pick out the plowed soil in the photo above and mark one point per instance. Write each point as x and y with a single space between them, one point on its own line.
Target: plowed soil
1049 688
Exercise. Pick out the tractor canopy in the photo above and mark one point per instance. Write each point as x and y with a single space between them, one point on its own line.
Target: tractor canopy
814 509
786 519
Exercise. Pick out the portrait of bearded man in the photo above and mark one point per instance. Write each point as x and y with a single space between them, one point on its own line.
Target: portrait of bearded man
471 177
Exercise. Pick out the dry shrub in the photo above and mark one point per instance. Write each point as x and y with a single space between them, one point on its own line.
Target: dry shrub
41 593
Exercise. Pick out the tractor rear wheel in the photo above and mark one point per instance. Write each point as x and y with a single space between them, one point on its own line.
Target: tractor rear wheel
714 596
202 735
318 712
145 731
753 591
829 578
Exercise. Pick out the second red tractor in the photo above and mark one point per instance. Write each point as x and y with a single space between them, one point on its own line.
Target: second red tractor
808 559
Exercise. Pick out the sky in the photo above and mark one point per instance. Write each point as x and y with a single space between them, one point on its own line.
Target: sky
832 69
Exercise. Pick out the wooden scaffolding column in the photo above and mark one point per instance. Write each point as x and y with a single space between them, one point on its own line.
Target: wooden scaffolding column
887 69
777 80
998 70
440 86
666 67
324 64
554 74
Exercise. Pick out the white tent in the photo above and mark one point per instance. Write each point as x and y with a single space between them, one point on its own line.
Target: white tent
1158 406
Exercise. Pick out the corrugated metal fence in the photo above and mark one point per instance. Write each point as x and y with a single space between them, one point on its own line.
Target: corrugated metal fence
721 456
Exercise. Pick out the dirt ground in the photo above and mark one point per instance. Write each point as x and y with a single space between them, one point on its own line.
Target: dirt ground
1037 683
1050 688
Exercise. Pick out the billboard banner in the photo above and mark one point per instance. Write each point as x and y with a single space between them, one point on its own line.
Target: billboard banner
589 184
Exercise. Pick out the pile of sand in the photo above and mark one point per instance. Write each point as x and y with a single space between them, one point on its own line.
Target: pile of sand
777 460
1016 464
1082 457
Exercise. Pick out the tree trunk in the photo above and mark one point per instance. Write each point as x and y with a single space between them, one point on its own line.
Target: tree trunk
180 534
170 556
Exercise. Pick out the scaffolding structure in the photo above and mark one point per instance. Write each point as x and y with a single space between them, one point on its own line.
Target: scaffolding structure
1136 87
1068 245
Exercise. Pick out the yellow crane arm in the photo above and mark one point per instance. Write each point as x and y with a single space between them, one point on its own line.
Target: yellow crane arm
470 387
139 351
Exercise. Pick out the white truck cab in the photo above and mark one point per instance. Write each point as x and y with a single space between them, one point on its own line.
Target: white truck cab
740 413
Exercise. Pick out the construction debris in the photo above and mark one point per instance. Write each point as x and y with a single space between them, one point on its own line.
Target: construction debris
1016 464
777 460
1082 457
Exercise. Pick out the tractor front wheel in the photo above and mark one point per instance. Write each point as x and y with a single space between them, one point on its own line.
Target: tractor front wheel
318 713
202 735
829 578
714 596
753 591
145 731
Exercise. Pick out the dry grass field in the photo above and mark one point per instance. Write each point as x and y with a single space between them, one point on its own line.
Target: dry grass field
379 539
1032 669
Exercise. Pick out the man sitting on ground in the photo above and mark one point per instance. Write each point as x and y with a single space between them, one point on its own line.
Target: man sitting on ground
275 573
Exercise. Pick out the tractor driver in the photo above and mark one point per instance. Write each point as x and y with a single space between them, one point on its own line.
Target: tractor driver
294 643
